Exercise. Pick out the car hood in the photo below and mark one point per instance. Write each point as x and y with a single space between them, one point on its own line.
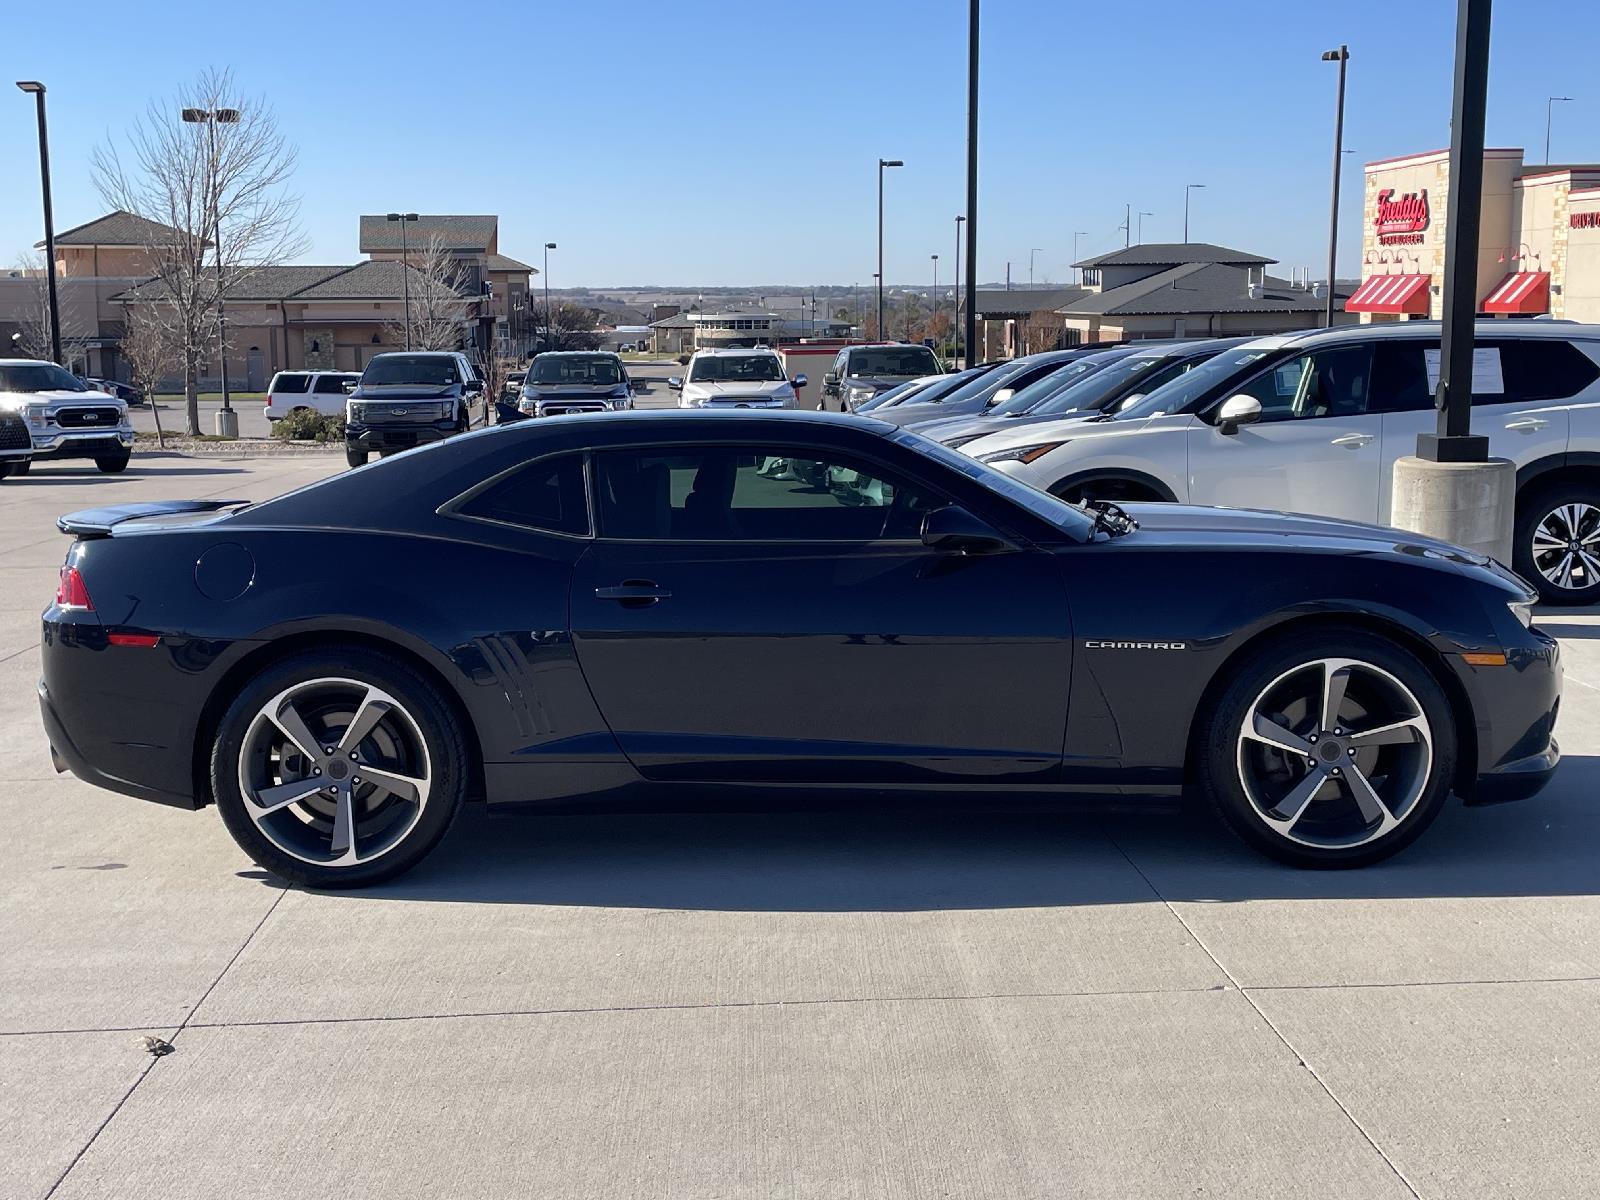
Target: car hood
56 396
574 389
763 387
406 391
1189 525
1025 431
912 413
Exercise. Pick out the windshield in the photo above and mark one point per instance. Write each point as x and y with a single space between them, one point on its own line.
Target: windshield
1116 379
984 384
39 377
893 360
601 371
736 368
434 370
1068 517
1187 388
1072 372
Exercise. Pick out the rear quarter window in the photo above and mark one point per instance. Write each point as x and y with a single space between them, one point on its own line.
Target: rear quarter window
1543 369
547 496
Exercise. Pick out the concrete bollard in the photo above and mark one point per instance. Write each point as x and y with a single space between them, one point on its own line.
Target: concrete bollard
1469 504
227 423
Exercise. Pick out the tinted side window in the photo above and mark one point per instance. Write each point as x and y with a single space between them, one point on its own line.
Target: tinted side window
1400 376
753 494
1542 369
329 383
290 382
545 495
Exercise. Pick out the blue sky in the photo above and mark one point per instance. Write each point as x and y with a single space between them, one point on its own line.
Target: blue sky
714 142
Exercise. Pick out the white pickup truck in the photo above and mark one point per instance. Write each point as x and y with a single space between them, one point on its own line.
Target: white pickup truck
1313 422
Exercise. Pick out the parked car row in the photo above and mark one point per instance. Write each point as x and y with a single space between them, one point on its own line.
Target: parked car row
48 414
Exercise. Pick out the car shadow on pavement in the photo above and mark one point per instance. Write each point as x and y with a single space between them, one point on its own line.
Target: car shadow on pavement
896 860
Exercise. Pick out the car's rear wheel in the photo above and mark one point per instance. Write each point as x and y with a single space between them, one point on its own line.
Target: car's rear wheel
338 768
112 464
1557 546
1331 749
356 458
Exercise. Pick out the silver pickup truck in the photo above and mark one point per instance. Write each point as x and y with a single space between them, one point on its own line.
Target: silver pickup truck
65 417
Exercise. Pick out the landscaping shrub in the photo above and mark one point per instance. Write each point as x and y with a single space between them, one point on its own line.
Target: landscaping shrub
304 425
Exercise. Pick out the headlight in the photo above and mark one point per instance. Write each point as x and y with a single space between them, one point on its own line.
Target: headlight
963 439
1522 610
1021 454
858 394
358 412
35 415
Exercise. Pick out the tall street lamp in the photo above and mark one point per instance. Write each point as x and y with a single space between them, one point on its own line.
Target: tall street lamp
37 89
882 163
227 420
1032 250
933 296
1189 187
970 327
1142 216
955 331
405 219
1549 109
1342 57
549 327
1081 233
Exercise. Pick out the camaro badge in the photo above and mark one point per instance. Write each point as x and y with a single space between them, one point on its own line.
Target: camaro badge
1094 645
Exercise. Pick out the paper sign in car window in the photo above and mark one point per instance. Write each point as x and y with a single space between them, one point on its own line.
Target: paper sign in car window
1486 377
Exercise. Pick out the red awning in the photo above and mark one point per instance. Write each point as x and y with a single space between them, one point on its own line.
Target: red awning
1520 292
1396 294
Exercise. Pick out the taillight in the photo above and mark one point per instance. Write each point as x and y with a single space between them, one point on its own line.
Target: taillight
71 592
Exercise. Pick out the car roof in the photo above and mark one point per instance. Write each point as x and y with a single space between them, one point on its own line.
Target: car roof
575 354
732 351
1390 330
27 362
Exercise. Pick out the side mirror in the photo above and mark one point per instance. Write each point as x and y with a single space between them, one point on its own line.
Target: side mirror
1001 397
954 530
675 382
1237 411
830 383
350 385
799 380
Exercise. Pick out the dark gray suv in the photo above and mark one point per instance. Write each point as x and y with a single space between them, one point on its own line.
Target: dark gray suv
860 372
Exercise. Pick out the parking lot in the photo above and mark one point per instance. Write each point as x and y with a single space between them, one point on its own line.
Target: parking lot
875 1004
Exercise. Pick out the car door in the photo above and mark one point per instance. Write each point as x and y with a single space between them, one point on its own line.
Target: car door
1316 449
769 613
1517 387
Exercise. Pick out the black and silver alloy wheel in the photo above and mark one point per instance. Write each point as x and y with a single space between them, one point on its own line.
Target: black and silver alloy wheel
338 768
334 772
1557 543
1335 748
1334 753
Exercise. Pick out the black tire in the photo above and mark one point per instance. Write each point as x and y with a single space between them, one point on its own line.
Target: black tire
1545 512
112 464
22 468
424 713
6 469
356 458
1223 756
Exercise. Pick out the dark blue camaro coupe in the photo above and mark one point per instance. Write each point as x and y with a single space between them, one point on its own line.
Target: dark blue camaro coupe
660 607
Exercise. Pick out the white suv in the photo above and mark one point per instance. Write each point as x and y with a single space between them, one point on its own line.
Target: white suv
735 379
322 392
1313 423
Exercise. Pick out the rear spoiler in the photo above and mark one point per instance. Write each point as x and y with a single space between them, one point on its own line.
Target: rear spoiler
99 522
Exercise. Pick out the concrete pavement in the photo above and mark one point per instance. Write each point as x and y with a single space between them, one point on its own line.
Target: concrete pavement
870 1005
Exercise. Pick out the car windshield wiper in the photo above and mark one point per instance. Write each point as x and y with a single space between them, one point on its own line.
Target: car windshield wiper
1110 517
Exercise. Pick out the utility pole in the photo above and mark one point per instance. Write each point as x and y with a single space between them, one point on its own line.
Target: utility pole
1127 224
971 328
955 326
1342 57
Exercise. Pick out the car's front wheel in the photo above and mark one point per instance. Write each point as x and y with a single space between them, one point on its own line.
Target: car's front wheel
356 458
1557 543
1328 749
113 464
22 468
338 768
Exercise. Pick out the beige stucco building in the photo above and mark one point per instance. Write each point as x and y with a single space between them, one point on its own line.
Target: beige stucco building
1538 245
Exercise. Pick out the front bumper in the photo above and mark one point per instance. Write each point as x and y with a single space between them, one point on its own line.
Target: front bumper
1517 706
396 437
82 443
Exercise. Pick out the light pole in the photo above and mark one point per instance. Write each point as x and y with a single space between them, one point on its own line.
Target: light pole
1187 188
1142 215
405 219
882 163
1342 57
227 420
1081 233
37 89
549 328
955 331
970 327
1549 109
1032 250
933 297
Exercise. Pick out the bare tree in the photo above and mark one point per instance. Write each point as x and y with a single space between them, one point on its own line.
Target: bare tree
33 323
1043 330
573 327
217 198
152 354
442 304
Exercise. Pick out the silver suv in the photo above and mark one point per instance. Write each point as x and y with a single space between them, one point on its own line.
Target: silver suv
66 418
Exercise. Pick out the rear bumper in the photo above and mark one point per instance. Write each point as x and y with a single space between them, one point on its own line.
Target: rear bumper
65 755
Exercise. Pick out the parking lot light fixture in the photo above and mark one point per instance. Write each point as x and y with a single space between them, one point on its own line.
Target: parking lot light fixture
1081 233
933 296
882 164
955 325
211 118
548 326
36 89
405 219
1549 111
1188 188
1342 57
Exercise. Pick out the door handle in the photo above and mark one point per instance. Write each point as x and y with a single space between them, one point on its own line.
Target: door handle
1527 424
1353 441
633 593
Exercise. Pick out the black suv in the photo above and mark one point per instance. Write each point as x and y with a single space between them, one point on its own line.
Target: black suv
860 372
409 397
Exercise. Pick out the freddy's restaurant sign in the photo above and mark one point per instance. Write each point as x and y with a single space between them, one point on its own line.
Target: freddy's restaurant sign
1401 222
